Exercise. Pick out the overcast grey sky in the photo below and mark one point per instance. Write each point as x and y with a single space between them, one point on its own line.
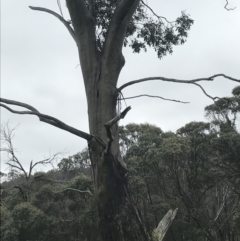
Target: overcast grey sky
38 67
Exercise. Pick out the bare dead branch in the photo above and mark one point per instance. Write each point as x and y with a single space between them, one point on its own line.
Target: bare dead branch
153 96
109 124
13 161
17 167
165 224
229 9
45 161
66 23
77 190
118 117
211 78
44 118
6 139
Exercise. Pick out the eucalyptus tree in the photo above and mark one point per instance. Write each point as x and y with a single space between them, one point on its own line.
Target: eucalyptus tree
100 29
224 112
224 116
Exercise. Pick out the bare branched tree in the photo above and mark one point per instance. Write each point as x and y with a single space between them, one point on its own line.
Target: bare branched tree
7 148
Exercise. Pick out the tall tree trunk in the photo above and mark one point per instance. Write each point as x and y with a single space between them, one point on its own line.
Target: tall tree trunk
119 218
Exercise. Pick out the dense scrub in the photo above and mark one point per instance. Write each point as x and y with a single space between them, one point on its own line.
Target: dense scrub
196 169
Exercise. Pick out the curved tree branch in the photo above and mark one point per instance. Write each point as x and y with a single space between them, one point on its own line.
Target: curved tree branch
204 91
44 118
17 103
229 9
211 78
66 23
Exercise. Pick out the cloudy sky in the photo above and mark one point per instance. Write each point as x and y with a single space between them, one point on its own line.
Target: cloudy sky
39 66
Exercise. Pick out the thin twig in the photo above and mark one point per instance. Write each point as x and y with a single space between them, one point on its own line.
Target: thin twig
229 9
153 96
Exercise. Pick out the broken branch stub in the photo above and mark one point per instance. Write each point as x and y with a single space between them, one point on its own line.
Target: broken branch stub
109 124
163 226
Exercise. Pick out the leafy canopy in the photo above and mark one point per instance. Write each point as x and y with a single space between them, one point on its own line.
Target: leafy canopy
145 29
